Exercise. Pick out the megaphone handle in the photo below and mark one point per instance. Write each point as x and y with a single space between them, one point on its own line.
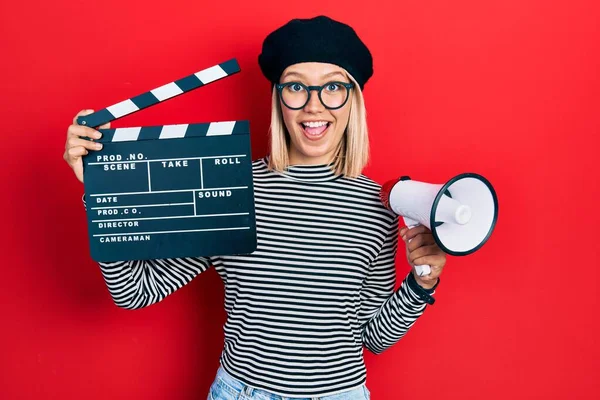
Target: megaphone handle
421 270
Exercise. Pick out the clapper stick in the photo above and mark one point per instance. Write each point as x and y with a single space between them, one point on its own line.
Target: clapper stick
141 133
160 94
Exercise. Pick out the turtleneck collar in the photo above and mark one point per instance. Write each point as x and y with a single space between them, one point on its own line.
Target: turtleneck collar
308 173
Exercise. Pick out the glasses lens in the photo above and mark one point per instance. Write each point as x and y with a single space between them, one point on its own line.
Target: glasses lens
334 95
294 95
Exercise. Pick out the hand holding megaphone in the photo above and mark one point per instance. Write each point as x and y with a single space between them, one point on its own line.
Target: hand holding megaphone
461 213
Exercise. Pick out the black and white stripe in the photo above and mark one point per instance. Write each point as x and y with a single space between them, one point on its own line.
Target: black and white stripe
175 131
319 287
160 94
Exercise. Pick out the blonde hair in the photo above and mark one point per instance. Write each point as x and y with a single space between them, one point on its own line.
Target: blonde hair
352 153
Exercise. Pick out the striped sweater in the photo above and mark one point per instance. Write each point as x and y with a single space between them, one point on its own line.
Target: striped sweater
318 288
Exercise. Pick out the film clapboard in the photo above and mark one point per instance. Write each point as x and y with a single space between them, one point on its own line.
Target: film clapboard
170 191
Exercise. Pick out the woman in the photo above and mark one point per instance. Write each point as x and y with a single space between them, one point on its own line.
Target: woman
320 284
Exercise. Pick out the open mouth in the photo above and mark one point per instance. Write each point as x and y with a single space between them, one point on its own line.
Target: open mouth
315 130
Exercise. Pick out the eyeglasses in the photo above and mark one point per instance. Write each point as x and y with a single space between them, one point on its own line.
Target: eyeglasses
296 95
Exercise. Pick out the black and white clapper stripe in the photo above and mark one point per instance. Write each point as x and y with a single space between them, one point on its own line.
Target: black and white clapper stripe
177 131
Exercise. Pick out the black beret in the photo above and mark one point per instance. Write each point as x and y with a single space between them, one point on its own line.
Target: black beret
319 39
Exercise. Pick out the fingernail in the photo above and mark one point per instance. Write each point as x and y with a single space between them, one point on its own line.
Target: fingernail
97 135
404 237
98 146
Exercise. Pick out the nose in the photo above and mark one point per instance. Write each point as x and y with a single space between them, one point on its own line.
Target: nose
314 105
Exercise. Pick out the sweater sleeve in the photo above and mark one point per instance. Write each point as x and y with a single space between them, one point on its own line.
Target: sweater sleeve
140 283
386 315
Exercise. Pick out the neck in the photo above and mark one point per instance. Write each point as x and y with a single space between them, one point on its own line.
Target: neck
296 158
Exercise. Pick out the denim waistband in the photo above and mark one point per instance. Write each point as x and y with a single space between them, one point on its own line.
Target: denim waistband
228 383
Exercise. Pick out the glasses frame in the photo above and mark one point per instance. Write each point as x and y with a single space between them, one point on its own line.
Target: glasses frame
309 89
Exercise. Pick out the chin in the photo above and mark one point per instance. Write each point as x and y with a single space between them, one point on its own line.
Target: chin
314 155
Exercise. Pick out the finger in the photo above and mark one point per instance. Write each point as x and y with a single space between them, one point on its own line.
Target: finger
74 141
435 261
105 126
423 239
432 275
429 279
80 114
424 251
403 231
75 153
437 269
83 131
414 243
412 232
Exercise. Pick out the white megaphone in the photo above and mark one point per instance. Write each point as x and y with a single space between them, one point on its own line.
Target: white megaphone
461 214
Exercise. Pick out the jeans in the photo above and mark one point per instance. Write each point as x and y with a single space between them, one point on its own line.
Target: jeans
226 387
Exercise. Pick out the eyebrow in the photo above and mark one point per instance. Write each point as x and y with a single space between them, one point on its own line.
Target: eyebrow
294 73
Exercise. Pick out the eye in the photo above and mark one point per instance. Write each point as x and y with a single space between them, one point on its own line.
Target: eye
295 87
332 87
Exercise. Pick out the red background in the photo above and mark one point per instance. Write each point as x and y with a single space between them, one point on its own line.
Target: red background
508 89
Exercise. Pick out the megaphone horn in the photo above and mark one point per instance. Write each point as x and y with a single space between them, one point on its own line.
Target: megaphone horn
461 213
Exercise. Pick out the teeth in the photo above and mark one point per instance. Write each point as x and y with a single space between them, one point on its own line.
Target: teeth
314 124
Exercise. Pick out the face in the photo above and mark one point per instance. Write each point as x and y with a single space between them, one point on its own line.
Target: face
315 131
